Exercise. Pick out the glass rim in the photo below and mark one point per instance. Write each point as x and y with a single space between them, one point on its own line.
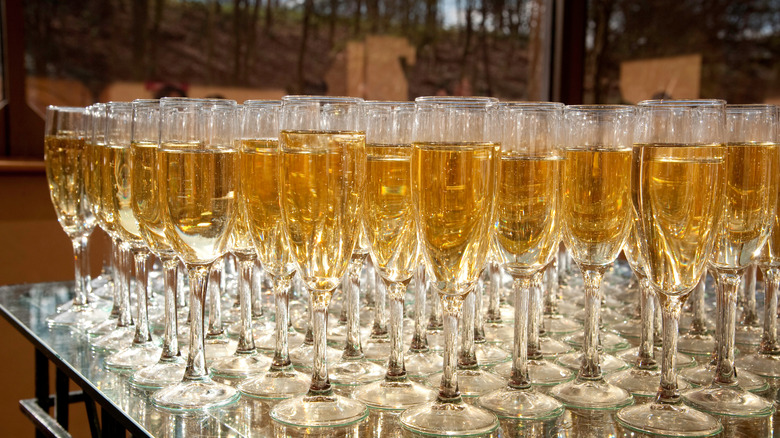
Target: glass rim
456 101
118 104
310 98
262 102
66 109
145 102
532 104
600 108
389 103
682 103
750 106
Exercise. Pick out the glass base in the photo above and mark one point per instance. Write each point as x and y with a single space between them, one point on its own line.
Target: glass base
435 340
192 395
668 420
420 364
451 418
78 317
610 342
260 327
119 339
609 363
327 410
731 401
354 372
160 375
377 349
766 365
551 348
266 342
560 325
471 383
239 365
698 345
276 385
641 383
541 372
591 394
521 404
683 360
134 357
490 354
702 375
748 335
219 348
103 328
394 396
499 333
631 328
303 356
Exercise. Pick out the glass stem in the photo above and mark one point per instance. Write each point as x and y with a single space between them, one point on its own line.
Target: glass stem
749 312
353 348
551 297
728 287
494 302
170 348
645 359
698 324
534 321
467 357
308 338
396 369
281 359
435 320
320 383
671 307
420 338
479 320
196 359
81 265
769 344
591 366
246 339
124 283
215 301
451 309
181 298
257 293
519 378
142 332
115 279
379 330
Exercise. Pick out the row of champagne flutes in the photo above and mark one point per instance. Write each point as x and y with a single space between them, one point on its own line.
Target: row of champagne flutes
455 179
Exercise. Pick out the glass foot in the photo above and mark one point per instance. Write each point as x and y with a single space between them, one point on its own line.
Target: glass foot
134 357
218 348
668 420
239 365
748 335
551 348
560 325
326 410
192 395
490 354
276 385
266 342
354 372
302 356
698 345
631 328
471 383
702 375
499 333
766 365
395 396
609 363
641 383
160 375
541 372
377 349
448 418
102 328
521 404
78 317
435 340
420 364
731 401
610 342
683 360
591 394
119 339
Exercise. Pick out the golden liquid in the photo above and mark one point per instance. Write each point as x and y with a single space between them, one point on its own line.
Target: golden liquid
322 182
92 182
388 218
145 194
453 188
678 198
120 191
770 253
107 211
65 163
595 204
632 250
749 202
199 199
260 202
526 221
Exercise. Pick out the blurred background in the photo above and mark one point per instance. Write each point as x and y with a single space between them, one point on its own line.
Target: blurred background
76 52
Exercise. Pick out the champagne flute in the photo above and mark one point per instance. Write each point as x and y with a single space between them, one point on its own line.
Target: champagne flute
526 238
749 200
64 148
677 184
388 224
595 217
198 171
321 184
145 190
454 159
260 158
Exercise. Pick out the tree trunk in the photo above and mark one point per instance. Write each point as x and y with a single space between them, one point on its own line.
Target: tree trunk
307 10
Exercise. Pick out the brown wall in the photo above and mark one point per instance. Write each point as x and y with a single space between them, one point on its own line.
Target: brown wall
33 248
